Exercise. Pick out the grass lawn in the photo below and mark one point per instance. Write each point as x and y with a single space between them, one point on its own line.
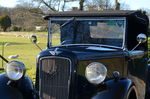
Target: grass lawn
24 48
37 32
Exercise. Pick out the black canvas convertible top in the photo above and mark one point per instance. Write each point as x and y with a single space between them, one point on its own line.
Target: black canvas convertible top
107 13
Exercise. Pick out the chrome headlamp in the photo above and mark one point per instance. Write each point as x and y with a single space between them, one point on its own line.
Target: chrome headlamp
96 72
15 70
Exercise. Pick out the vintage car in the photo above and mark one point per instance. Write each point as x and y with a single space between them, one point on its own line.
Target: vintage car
98 55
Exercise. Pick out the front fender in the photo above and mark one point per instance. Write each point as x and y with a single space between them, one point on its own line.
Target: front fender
21 89
148 82
115 89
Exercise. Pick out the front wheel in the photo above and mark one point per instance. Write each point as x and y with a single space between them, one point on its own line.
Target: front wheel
131 93
10 93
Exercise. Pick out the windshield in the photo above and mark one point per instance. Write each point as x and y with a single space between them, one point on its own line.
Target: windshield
106 31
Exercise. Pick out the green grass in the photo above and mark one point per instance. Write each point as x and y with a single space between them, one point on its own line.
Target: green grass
39 32
44 32
24 48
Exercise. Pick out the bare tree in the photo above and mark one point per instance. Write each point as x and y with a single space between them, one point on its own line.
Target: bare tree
52 5
124 6
4 10
64 5
99 4
81 3
117 5
55 5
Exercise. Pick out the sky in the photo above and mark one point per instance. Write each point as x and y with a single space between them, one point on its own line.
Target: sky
8 3
137 4
133 4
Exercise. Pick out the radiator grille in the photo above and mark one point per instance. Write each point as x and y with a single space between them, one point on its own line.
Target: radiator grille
54 78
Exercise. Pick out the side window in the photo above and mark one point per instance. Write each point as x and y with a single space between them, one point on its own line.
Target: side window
109 32
67 33
107 29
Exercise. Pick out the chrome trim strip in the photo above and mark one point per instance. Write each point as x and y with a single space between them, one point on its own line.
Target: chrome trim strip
48 57
98 45
136 54
49 33
124 34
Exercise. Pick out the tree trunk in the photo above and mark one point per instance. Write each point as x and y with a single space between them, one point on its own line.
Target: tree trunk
63 7
81 3
4 29
117 5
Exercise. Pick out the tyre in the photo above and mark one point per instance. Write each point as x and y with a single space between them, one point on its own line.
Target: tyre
131 93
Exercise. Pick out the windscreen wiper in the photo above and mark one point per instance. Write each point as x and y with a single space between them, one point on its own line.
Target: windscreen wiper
70 20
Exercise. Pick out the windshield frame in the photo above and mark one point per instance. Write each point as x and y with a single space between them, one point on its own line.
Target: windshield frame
84 19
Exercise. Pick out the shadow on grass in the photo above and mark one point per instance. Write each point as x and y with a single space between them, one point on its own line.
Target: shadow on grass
1 70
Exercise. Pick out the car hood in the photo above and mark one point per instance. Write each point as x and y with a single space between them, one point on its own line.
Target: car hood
82 53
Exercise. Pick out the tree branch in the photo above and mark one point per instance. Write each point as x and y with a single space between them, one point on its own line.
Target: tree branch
53 9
